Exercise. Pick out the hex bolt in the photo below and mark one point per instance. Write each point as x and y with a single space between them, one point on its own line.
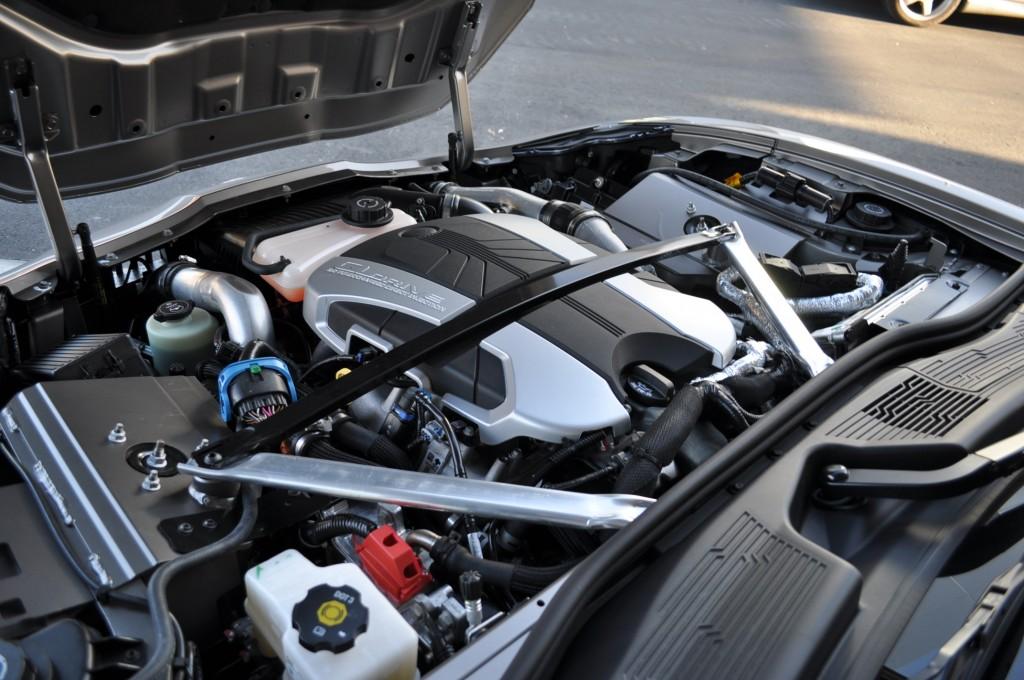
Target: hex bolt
691 208
598 182
203 443
185 528
212 458
836 473
157 458
209 523
118 435
152 481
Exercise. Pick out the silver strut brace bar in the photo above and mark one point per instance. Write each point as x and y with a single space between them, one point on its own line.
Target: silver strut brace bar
430 491
792 330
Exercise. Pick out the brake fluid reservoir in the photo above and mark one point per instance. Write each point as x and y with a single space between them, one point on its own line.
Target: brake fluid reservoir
306 249
180 333
328 622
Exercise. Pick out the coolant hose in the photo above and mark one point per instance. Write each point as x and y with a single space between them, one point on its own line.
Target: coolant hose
451 559
159 663
351 436
240 302
659 444
338 525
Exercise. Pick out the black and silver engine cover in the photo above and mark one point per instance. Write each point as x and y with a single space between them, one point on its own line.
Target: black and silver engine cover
554 374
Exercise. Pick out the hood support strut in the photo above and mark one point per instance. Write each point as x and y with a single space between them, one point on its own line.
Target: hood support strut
460 142
32 134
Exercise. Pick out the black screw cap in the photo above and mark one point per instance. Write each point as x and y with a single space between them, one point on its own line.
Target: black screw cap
369 211
330 618
173 310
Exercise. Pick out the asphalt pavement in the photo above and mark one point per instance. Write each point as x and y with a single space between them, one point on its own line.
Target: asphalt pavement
948 99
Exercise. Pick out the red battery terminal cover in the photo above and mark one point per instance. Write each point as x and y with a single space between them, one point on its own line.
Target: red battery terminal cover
392 564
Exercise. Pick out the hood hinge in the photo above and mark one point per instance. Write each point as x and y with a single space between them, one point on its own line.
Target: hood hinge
456 58
33 132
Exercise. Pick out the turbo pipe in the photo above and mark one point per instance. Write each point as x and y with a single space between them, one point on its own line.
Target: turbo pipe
240 302
573 219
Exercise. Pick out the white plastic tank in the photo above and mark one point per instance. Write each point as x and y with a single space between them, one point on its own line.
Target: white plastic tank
306 249
328 622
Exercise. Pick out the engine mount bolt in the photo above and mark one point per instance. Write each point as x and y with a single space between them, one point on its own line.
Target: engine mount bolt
157 458
209 523
152 481
185 528
118 435
836 473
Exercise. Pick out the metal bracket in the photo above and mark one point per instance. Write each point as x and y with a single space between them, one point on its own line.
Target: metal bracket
33 133
460 142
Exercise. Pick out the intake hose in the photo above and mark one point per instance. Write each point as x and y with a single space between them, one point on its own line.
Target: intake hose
351 436
451 559
568 218
659 444
240 302
338 525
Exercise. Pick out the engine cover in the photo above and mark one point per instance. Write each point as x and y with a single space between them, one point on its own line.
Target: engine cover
554 374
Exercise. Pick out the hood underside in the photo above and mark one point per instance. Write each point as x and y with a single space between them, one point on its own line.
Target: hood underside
130 92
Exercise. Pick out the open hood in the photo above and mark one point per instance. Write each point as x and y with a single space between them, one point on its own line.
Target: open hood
126 92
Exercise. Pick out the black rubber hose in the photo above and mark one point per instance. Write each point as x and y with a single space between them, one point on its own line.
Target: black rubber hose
159 663
747 199
659 444
452 559
351 436
338 525
323 450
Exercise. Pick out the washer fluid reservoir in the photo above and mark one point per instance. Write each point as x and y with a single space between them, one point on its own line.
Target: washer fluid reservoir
306 249
328 622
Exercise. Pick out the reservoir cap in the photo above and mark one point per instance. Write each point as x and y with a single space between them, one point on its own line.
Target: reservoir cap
173 310
330 618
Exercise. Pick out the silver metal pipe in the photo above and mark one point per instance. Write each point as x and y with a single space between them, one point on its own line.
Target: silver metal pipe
511 200
763 290
431 492
589 226
240 302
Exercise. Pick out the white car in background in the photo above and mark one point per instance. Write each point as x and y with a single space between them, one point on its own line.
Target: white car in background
931 12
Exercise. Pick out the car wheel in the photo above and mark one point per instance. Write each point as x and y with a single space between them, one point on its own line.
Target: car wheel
922 12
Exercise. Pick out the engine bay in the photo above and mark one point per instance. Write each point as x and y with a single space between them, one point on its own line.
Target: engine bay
401 527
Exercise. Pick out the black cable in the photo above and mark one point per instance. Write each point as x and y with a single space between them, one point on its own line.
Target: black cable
312 368
600 473
337 525
50 521
775 211
160 659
